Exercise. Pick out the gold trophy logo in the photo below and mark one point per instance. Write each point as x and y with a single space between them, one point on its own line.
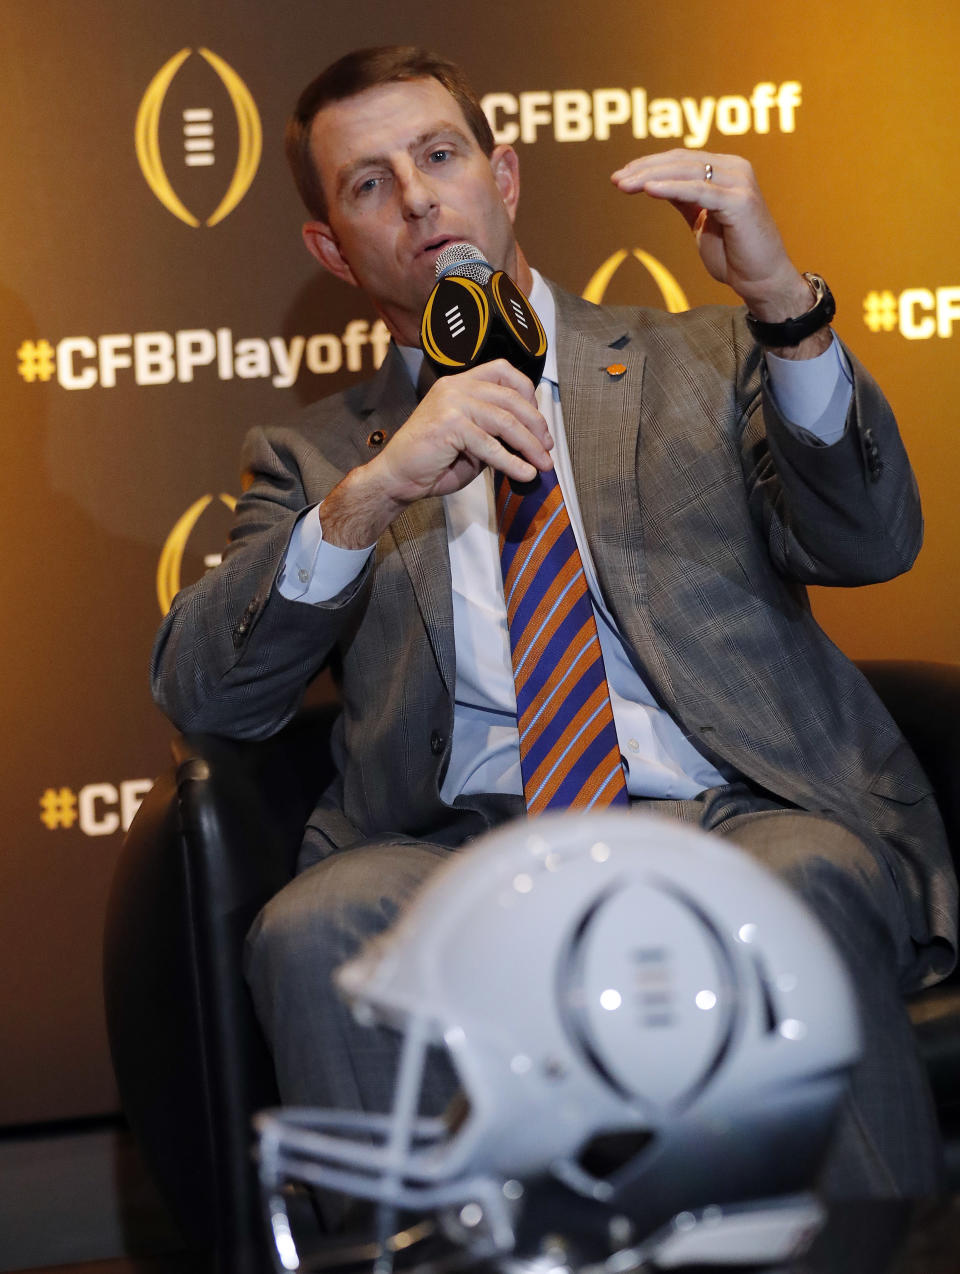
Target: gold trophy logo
199 144
674 298
171 555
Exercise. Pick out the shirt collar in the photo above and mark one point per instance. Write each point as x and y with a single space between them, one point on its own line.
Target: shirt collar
541 298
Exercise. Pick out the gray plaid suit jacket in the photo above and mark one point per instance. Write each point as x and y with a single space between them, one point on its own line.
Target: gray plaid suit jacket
706 517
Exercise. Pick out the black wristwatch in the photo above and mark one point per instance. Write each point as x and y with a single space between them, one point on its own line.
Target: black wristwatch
794 330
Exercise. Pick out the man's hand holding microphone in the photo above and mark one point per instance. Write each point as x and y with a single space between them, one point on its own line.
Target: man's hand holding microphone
478 331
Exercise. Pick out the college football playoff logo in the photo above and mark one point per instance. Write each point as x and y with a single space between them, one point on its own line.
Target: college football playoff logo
198 138
674 298
175 545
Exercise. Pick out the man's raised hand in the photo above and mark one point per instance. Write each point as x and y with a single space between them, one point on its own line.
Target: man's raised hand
736 235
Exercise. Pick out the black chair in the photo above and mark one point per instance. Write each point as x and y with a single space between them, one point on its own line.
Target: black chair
215 838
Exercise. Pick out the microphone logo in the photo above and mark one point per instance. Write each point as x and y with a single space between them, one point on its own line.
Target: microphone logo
518 312
476 314
455 321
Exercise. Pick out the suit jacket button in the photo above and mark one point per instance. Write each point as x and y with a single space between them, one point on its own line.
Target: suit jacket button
436 743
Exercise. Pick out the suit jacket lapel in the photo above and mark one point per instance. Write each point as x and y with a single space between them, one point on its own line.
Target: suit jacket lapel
420 532
601 415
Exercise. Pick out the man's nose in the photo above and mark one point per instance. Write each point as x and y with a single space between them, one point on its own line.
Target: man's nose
417 194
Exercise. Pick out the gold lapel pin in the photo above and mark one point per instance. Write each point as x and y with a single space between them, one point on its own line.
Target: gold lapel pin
615 370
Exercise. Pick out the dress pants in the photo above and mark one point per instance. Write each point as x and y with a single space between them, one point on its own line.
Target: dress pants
886 1143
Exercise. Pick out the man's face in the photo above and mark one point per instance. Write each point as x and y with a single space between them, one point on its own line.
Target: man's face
403 176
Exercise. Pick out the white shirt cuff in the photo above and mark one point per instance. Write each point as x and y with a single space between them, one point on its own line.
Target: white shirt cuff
314 570
813 394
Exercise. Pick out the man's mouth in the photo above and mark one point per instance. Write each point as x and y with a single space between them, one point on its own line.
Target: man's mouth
436 245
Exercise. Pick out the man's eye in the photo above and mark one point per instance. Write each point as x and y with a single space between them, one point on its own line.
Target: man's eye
439 156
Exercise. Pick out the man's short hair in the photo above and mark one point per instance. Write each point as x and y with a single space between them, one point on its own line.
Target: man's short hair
354 73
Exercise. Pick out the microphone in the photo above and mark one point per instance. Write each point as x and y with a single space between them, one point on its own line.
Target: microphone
476 314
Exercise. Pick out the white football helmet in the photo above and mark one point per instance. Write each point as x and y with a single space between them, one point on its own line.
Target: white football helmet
644 1022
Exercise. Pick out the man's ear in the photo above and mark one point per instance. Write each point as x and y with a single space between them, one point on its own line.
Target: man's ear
506 173
322 244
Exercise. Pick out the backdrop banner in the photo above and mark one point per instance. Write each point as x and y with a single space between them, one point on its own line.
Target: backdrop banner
157 302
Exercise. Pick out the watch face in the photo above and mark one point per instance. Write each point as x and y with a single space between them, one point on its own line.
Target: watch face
823 294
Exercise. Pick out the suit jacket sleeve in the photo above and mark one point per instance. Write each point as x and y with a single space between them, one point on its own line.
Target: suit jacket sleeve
233 656
846 514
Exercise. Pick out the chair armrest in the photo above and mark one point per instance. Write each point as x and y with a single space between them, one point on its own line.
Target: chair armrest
150 997
924 700
215 838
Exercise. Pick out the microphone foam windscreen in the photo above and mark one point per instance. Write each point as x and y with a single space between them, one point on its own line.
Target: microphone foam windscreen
465 261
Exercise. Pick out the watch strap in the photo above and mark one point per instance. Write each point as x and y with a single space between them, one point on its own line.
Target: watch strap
794 330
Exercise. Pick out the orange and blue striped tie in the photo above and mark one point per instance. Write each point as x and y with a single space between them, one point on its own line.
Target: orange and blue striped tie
569 755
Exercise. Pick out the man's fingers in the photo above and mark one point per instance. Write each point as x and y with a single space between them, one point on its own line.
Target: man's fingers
502 425
489 432
513 417
496 455
503 373
500 401
687 164
683 176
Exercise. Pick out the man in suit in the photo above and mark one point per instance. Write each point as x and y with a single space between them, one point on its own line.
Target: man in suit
708 477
